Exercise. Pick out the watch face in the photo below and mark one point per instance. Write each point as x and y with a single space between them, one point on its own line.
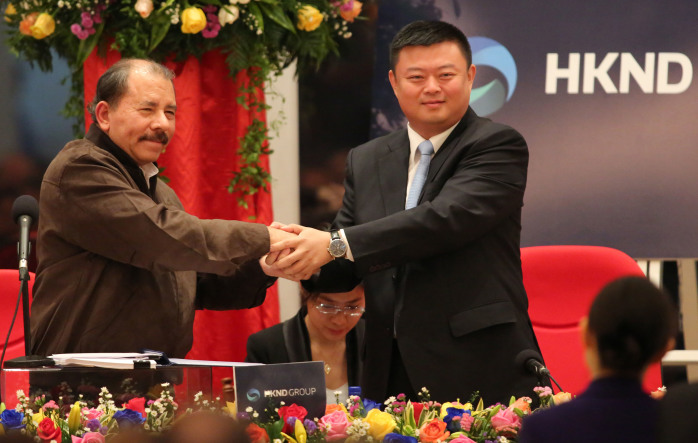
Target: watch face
337 248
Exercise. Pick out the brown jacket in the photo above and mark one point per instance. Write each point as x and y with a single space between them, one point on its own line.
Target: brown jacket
118 260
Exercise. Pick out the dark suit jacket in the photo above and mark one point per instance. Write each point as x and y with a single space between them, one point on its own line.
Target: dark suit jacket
444 276
289 342
678 416
610 410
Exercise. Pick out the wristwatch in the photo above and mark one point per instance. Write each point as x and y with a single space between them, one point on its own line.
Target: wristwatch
337 248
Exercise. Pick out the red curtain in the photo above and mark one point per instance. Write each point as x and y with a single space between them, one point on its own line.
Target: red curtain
199 162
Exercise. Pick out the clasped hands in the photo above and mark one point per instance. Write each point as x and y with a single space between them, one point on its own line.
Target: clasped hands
296 252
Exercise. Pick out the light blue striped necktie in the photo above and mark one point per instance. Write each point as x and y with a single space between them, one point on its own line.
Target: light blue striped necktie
426 149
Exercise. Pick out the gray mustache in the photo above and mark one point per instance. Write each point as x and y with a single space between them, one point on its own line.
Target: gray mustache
159 137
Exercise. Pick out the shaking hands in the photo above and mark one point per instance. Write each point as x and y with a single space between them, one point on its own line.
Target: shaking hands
296 252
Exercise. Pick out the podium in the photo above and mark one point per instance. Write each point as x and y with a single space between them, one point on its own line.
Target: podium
68 383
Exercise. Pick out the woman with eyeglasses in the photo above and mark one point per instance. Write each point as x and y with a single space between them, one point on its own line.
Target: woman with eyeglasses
328 328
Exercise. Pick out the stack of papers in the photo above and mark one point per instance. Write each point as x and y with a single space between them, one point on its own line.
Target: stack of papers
113 360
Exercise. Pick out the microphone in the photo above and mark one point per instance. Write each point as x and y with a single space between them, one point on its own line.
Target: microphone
25 210
532 362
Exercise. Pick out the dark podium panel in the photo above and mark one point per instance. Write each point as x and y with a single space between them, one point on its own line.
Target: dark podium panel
67 384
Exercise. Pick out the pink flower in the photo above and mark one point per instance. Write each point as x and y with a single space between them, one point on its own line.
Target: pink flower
49 405
336 424
466 421
86 20
91 413
506 420
89 437
461 439
78 31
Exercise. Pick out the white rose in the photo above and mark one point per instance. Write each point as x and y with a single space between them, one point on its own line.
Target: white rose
228 14
144 7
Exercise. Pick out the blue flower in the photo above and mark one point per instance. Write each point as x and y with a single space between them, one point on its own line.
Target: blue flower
310 426
451 424
370 404
398 438
93 425
12 419
128 418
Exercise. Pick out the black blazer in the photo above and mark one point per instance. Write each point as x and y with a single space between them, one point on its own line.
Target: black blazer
445 277
289 342
610 410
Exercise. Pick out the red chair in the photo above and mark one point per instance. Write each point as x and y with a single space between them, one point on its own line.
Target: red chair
561 283
9 290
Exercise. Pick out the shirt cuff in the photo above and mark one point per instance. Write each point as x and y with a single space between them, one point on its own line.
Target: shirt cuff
348 255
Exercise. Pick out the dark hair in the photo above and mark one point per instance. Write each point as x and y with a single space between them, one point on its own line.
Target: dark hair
113 84
427 33
632 321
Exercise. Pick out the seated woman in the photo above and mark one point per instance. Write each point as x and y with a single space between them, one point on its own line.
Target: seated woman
328 327
631 324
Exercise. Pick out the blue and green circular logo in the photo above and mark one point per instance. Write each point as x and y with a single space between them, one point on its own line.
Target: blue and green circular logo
487 99
253 395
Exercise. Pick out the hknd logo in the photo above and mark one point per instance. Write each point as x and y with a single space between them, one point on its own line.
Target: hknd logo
489 98
253 395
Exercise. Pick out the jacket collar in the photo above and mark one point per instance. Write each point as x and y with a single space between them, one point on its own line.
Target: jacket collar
102 140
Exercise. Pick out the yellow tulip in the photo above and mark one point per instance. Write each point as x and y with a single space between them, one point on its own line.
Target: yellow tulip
301 434
193 20
445 406
10 10
43 26
74 418
309 18
36 418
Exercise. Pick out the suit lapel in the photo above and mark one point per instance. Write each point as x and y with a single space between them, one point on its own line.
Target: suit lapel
448 148
392 171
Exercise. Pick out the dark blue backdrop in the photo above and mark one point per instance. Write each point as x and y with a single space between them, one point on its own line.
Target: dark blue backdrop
613 167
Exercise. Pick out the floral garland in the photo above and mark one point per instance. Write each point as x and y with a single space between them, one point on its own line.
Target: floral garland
261 37
397 420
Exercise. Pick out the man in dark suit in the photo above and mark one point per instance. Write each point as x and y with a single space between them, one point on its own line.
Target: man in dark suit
446 307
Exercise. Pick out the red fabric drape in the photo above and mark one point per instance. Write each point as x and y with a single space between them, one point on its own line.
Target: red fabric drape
199 161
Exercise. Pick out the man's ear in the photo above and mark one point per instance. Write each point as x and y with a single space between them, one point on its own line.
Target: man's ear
102 115
393 80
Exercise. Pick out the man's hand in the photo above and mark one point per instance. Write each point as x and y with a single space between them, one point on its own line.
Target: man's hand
308 252
271 269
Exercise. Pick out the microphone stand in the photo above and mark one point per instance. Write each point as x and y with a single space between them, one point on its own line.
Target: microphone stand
28 360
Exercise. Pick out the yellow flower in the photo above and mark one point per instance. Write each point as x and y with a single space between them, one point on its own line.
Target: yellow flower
445 406
36 418
381 424
43 26
562 397
74 418
309 18
10 10
193 20
301 434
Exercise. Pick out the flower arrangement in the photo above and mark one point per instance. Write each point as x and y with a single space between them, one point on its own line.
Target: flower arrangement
260 37
394 421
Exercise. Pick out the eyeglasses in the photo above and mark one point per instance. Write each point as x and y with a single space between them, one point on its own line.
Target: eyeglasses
352 311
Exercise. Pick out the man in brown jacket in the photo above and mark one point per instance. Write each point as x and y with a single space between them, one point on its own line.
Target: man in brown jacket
121 265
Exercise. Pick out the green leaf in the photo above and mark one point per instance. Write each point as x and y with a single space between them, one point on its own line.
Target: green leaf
161 25
86 46
254 10
277 14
